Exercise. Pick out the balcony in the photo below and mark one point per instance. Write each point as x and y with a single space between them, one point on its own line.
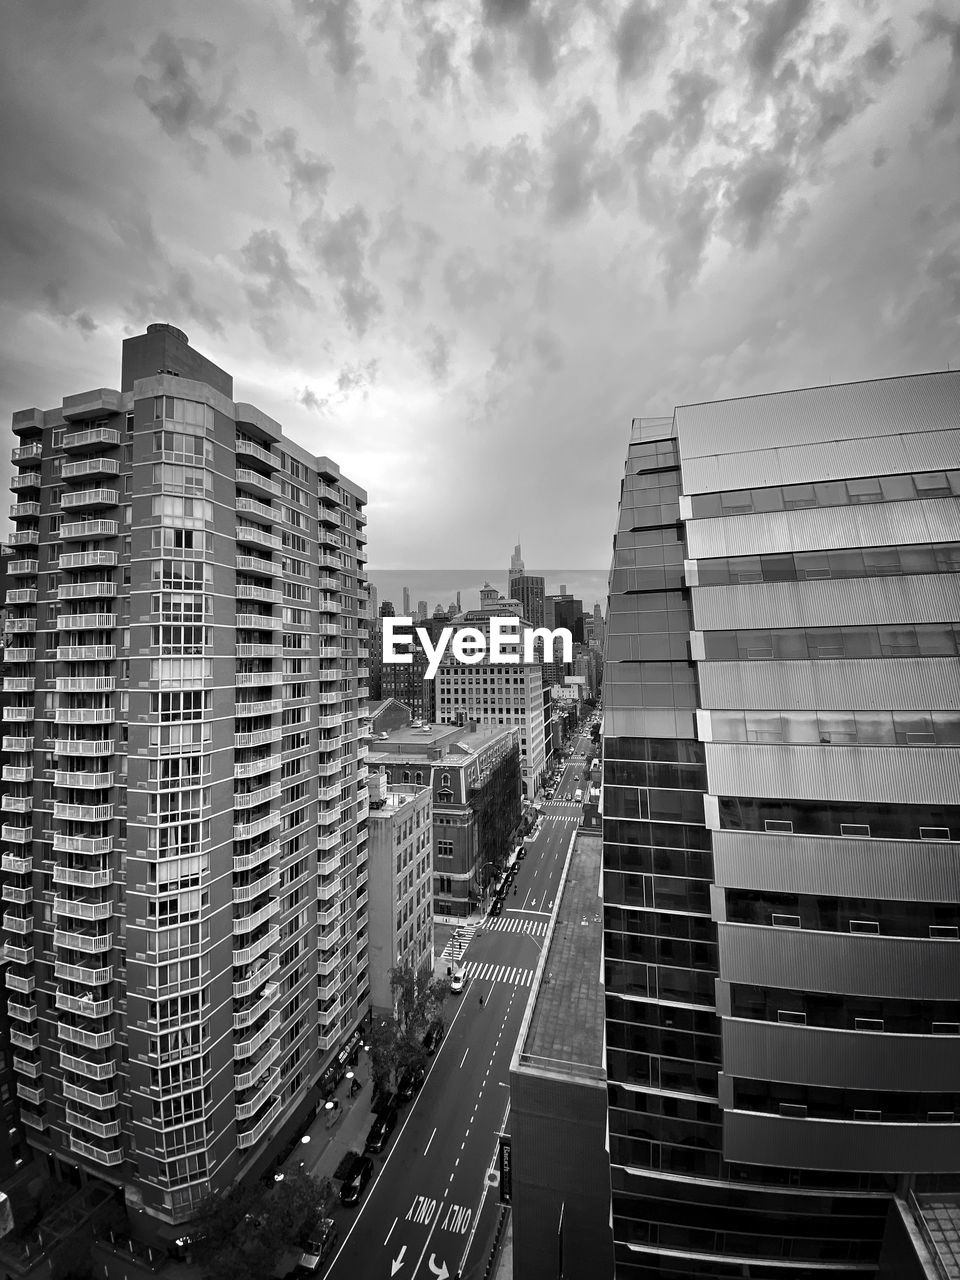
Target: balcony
22 1012
247 892
83 879
256 857
249 449
83 1066
247 830
25 511
101 1155
16 772
327 866
25 480
88 1039
78 909
257 738
250 1137
100 1128
255 1071
86 622
18 684
14 893
251 507
246 1017
19 626
86 653
328 917
263 795
94 781
88 560
31 1093
251 1105
21 1040
15 834
85 684
15 982
246 955
33 1120
21 655
92 438
23 568
327 892
89 499
91 943
247 924
19 955
102 590
83 746
19 924
330 673
89 529
90 977
245 679
329 842
326 605
248 1047
270 707
84 715
90 467
249 479
85 1005
253 982
328 722
259 650
258 622
90 1097
26 1067
22 595
256 564
250 535
26 453
83 812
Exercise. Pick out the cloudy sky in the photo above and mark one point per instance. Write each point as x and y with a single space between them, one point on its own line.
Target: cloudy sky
458 244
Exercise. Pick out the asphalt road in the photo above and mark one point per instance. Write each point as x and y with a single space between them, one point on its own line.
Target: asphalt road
428 1213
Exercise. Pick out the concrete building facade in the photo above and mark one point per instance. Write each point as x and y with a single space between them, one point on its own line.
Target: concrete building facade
186 780
781 826
400 884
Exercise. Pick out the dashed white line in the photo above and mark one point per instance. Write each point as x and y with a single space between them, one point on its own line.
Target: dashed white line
464 1058
390 1232
427 1147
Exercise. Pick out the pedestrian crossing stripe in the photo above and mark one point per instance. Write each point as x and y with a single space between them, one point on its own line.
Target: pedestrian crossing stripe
499 973
460 941
535 927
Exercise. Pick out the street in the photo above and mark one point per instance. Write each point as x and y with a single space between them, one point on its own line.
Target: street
428 1212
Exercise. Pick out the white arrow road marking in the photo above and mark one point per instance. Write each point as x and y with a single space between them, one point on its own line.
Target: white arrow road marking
397 1263
440 1272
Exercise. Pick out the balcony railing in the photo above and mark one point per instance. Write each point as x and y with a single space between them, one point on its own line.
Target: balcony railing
246 1048
89 498
100 1128
250 1106
265 970
85 1005
101 1155
250 1137
103 589
77 909
246 1017
246 955
83 812
16 982
257 564
27 1067
247 830
83 778
91 438
263 795
90 1097
246 892
86 653
86 621
19 773
83 746
90 467
88 559
246 924
84 715
89 976
87 1067
244 1079
89 529
256 857
88 1039
91 943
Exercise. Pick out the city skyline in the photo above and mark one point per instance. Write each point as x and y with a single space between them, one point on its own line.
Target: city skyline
504 237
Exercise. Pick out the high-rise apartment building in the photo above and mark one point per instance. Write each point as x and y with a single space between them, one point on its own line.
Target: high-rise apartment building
400 884
496 693
528 588
781 825
185 648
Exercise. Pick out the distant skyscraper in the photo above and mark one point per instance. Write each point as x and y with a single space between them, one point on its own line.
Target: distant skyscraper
406 602
374 601
781 825
421 610
527 588
458 602
516 561
387 610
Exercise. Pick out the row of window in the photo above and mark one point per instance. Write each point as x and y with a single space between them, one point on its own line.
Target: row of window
860 728
828 493
845 1012
917 640
844 915
853 562
824 1103
831 818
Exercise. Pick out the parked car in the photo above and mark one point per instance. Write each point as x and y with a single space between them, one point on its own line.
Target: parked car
383 1125
318 1247
433 1036
521 853
496 907
458 982
409 1083
358 1175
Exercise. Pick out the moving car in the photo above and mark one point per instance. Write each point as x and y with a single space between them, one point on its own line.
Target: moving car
318 1247
433 1036
458 982
383 1125
358 1175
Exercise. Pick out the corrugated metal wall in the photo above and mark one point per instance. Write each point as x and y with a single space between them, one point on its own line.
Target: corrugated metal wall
848 684
839 1059
858 964
901 870
882 775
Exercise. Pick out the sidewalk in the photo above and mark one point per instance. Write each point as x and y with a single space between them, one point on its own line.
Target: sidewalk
329 1143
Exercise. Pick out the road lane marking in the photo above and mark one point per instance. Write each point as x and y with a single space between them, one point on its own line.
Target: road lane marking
432 1136
395 1221
462 1061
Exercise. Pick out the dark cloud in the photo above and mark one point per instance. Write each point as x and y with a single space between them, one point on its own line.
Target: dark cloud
307 174
548 350
944 270
511 174
340 245
240 134
177 299
775 24
638 38
579 170
498 12
435 62
358 377
481 59
881 59
435 354
756 194
60 309
468 284
648 135
690 93
335 24
310 400
936 26
425 244
536 48
266 258
691 221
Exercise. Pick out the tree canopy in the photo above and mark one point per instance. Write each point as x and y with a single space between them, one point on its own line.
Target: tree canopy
396 1042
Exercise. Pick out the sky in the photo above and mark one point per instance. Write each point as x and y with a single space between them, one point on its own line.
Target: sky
456 245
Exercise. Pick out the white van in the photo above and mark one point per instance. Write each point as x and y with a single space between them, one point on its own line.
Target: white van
578 794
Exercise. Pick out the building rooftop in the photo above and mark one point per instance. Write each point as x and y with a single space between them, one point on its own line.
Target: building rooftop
433 742
564 1031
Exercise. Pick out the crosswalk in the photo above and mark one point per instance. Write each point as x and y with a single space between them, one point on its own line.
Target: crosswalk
536 928
499 973
553 807
458 944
